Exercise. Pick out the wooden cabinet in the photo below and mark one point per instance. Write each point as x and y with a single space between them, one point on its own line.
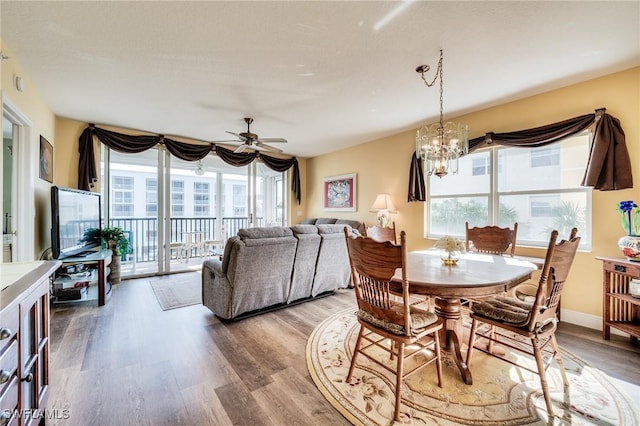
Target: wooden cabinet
24 341
620 309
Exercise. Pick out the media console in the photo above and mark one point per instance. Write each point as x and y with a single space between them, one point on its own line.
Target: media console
90 283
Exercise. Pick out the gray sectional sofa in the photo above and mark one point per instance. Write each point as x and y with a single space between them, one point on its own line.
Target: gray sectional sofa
268 268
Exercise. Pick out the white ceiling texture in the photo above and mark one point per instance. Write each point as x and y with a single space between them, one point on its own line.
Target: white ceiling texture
324 75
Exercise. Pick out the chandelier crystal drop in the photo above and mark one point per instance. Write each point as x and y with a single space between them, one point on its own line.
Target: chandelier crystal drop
440 145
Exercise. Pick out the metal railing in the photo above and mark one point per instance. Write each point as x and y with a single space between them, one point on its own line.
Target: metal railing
143 233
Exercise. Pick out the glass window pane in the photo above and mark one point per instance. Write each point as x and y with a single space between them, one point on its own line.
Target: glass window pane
538 215
448 215
466 181
553 168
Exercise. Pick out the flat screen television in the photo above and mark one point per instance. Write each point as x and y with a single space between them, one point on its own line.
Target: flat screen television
75 221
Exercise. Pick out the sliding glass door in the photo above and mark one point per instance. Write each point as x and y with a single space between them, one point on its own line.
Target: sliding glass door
178 213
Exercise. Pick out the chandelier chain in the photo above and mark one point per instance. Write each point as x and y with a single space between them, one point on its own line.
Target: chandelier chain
441 89
440 145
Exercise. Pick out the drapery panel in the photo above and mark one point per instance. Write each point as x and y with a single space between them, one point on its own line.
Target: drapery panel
417 191
609 165
130 144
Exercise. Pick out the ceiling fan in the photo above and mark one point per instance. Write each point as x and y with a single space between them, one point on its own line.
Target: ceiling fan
252 141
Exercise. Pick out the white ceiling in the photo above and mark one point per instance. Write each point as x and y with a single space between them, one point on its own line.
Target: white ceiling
317 73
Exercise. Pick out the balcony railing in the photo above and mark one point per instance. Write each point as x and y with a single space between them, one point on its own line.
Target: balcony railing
143 232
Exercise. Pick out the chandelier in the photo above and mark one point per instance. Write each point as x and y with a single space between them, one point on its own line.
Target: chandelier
441 144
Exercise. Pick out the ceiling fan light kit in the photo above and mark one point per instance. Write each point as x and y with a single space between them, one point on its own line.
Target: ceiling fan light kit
249 140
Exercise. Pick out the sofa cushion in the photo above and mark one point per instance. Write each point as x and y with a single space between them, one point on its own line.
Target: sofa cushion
271 232
304 266
325 220
309 221
355 224
304 229
333 229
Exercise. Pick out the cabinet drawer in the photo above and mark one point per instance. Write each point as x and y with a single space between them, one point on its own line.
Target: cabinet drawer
8 364
9 398
8 326
622 268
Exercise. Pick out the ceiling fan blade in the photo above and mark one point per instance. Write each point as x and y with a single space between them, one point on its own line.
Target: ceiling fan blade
241 148
272 140
239 136
228 141
267 147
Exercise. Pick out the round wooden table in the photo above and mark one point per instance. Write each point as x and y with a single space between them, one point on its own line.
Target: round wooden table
476 275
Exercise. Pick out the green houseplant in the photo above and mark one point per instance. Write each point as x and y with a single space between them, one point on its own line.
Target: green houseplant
115 239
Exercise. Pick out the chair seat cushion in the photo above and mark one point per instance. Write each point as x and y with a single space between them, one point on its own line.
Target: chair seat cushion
505 309
420 319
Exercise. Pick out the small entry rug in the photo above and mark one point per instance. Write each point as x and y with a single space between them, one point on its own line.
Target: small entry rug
501 394
178 290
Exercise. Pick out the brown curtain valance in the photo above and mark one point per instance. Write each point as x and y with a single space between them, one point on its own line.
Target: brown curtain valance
128 144
609 165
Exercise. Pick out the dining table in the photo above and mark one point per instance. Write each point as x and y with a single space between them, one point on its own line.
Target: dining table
475 275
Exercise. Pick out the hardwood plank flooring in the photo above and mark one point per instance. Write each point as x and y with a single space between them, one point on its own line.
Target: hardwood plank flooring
130 363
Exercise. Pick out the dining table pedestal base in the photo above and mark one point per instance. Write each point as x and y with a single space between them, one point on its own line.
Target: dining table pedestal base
449 310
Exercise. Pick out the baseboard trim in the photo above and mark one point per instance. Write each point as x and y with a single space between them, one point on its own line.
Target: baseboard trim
586 320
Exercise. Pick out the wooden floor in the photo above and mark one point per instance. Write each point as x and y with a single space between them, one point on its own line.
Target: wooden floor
129 362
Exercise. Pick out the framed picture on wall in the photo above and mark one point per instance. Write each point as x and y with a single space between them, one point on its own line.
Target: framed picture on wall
339 193
46 160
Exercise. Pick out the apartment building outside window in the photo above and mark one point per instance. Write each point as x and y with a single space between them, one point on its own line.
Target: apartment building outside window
239 200
177 198
537 187
201 199
121 196
151 194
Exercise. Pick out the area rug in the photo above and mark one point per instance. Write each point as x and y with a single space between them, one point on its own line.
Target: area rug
178 290
501 394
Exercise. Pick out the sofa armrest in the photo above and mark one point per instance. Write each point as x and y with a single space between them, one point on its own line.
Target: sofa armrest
217 291
213 266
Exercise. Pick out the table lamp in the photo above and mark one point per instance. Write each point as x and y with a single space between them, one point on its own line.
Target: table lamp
384 207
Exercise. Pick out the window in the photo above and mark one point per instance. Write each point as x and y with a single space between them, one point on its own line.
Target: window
543 157
543 206
122 196
239 200
177 198
480 166
537 187
152 197
201 199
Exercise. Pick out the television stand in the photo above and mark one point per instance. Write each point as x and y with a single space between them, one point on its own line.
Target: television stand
82 286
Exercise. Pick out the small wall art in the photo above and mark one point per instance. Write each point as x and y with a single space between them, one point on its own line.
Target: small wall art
46 160
339 193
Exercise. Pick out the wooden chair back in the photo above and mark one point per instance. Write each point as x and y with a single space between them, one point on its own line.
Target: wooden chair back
555 270
373 264
382 234
491 239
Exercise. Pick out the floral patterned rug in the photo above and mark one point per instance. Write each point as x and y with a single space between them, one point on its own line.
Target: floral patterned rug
501 394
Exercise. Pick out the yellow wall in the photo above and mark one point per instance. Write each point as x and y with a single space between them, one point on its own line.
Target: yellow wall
31 104
383 166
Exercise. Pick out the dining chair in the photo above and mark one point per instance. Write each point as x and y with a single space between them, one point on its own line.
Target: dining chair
491 239
382 233
385 323
509 318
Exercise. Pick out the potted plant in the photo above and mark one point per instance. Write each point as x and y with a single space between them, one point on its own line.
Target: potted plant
115 239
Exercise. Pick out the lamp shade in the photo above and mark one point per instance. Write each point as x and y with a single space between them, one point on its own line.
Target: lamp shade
383 202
